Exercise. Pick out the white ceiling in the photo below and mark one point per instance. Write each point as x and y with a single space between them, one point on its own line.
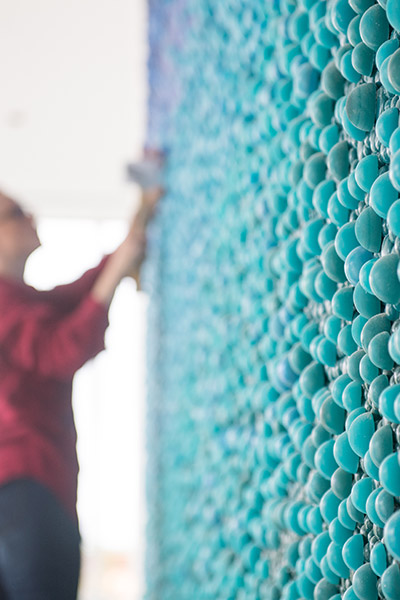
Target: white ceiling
72 103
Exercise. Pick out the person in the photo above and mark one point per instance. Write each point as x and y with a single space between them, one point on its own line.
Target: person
45 337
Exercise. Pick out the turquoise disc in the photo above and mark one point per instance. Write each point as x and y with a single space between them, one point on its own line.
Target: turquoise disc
338 533
378 351
367 304
332 327
393 71
341 483
394 217
354 132
324 590
360 493
319 547
354 188
338 160
314 522
321 195
342 14
360 6
345 197
329 506
353 551
335 559
383 279
371 510
353 364
342 303
347 69
326 353
352 396
368 230
332 263
353 31
360 106
368 370
384 505
393 13
344 516
356 328
386 402
344 455
338 386
310 235
376 388
364 275
386 123
312 570
381 444
378 560
314 169
346 343
332 417
360 433
354 513
363 59
374 27
394 171
325 462
336 211
384 76
386 50
328 573
349 594
389 474
373 326
367 171
332 82
365 583
392 535
329 137
369 466
325 287
382 195
390 581
346 239
353 263
394 143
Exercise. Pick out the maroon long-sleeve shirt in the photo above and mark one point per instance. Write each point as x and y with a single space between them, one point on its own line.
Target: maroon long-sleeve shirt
45 337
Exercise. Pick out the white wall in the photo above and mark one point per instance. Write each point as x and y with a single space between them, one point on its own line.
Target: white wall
72 102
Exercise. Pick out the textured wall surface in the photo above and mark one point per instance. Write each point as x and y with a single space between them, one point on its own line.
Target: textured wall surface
274 338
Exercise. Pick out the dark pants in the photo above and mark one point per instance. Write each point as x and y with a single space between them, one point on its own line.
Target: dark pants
39 544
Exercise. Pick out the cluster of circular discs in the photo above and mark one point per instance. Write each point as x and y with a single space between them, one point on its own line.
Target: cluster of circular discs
278 463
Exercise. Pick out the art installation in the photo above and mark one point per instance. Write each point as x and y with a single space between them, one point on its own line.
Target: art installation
274 319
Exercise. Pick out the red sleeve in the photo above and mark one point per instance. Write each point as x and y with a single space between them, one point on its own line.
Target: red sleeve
69 294
37 340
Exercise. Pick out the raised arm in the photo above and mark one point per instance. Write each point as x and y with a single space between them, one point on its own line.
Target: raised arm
49 343
69 295
52 344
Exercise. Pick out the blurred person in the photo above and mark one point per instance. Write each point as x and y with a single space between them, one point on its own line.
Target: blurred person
45 337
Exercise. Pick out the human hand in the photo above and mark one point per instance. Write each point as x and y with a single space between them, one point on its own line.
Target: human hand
127 257
147 171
